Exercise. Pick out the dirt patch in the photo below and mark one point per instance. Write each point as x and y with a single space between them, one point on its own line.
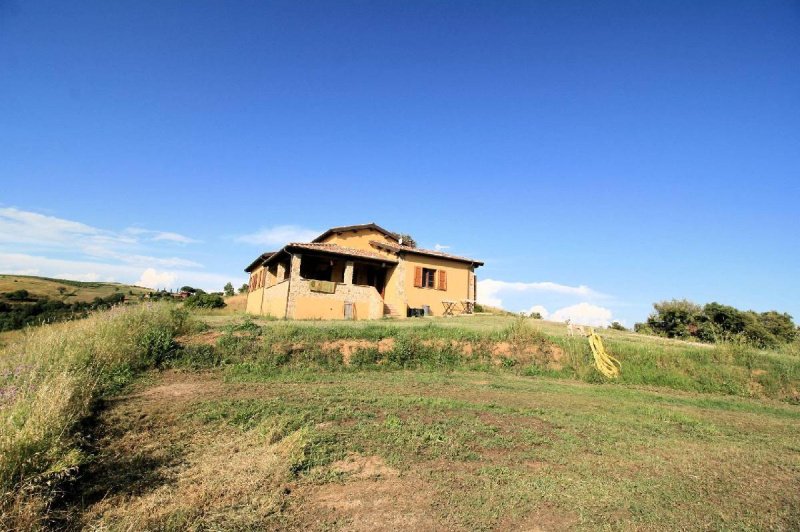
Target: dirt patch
348 347
364 504
204 338
364 467
175 385
543 519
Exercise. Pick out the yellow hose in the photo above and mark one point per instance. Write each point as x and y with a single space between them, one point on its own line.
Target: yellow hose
606 364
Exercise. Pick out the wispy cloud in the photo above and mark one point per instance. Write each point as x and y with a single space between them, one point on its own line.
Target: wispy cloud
88 270
58 247
490 291
278 236
35 229
161 236
440 247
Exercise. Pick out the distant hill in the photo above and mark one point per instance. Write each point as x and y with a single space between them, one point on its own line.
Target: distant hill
66 290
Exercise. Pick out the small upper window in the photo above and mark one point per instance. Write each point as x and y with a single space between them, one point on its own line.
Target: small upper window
428 278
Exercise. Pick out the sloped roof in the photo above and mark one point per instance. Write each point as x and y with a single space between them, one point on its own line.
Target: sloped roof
259 261
344 228
428 252
336 249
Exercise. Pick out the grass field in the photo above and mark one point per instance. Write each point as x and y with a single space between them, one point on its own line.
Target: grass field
469 423
74 291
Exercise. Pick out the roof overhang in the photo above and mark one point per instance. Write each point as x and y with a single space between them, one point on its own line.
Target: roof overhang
346 228
259 261
339 251
396 248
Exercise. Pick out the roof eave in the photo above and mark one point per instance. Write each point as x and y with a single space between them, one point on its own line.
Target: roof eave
304 251
345 228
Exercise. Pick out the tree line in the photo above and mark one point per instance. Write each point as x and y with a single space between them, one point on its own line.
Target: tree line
715 322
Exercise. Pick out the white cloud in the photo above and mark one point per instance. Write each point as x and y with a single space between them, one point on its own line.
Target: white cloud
24 227
83 270
141 260
154 279
38 230
278 236
490 291
541 310
584 314
173 237
161 236
440 247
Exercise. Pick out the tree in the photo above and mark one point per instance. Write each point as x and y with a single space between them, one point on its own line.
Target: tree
244 288
228 289
188 289
779 325
617 326
407 240
674 319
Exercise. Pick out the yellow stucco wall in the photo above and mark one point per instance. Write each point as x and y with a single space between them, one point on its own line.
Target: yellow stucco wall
254 301
275 300
318 308
254 296
457 283
272 302
359 239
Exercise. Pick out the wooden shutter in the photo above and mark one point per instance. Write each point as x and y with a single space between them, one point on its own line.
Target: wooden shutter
418 277
442 280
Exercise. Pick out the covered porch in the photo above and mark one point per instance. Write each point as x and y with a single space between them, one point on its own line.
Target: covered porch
332 282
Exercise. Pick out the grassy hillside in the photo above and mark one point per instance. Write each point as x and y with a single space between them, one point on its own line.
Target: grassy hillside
473 423
73 291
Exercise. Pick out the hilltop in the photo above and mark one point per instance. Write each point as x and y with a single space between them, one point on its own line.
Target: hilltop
203 419
65 289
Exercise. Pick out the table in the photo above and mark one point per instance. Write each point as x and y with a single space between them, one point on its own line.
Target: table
449 307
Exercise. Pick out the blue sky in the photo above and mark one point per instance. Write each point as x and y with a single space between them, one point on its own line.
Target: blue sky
597 156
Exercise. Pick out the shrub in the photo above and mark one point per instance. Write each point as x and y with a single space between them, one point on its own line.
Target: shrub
203 300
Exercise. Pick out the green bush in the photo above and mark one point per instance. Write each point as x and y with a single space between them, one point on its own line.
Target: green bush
203 300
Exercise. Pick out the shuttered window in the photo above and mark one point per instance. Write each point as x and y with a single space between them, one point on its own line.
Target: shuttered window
442 280
418 277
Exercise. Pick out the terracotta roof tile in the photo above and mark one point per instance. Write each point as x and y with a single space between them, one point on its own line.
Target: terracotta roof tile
341 250
428 252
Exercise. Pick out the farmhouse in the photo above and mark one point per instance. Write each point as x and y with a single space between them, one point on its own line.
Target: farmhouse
360 272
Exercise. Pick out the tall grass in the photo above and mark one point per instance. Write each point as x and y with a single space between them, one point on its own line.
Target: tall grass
50 380
727 368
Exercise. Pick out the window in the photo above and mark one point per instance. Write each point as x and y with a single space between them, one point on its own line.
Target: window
428 278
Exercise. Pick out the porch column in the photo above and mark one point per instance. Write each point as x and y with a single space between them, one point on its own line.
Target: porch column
294 285
348 272
294 270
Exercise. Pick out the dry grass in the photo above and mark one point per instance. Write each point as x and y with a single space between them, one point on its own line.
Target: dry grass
74 291
49 381
237 303
436 451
